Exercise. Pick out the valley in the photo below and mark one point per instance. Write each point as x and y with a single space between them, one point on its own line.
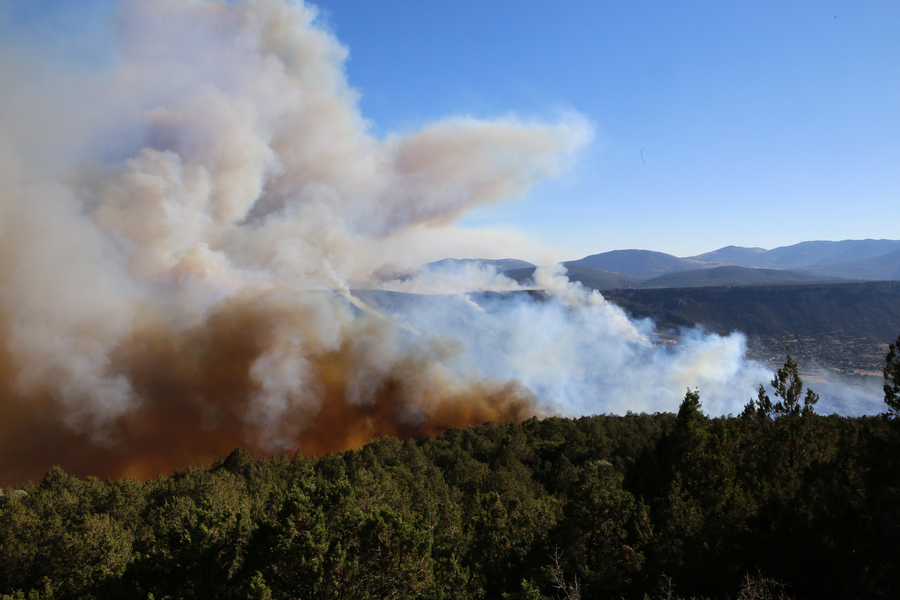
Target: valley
835 304
845 327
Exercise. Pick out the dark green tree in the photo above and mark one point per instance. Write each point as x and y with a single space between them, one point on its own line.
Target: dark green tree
591 543
701 506
790 421
892 380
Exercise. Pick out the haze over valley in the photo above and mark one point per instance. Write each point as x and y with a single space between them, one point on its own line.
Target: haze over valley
786 297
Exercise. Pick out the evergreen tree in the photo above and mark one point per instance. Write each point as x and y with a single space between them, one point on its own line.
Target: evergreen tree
790 421
892 380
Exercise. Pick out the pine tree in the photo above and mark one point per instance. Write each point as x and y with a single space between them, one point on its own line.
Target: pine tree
892 380
787 427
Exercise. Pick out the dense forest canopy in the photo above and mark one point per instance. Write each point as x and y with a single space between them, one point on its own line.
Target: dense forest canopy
775 502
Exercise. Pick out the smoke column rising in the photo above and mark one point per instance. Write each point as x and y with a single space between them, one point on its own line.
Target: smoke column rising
173 224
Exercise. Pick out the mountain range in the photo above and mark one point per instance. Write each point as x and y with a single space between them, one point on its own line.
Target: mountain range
806 262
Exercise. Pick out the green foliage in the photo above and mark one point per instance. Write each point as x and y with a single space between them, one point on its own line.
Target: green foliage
785 435
892 380
595 507
789 387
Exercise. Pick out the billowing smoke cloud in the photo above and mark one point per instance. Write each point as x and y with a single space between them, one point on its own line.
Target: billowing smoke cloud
578 352
180 229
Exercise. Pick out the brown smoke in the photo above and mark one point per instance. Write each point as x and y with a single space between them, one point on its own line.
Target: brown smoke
182 221
172 224
199 397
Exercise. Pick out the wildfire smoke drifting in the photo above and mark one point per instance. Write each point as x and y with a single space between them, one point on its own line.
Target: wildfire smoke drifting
172 224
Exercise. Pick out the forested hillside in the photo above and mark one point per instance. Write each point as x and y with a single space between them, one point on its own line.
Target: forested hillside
845 326
778 500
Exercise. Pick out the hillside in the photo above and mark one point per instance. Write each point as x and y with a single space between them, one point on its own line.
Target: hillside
638 264
733 255
597 279
802 256
730 275
846 326
861 250
591 278
501 264
716 276
884 267
806 254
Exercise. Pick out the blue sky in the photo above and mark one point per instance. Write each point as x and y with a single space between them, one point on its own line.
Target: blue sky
716 123
761 123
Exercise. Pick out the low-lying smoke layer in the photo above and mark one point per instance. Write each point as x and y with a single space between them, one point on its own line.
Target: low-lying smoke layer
180 229
270 372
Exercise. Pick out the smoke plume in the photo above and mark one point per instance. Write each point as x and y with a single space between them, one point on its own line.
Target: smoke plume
181 226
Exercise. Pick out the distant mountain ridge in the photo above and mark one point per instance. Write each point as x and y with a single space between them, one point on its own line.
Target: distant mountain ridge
801 256
803 262
588 277
732 255
501 264
812 261
640 264
733 275
885 267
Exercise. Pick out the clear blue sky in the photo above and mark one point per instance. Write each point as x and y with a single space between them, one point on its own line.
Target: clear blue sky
716 123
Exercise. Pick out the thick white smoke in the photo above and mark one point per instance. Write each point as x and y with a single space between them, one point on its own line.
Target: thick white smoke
580 353
167 218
